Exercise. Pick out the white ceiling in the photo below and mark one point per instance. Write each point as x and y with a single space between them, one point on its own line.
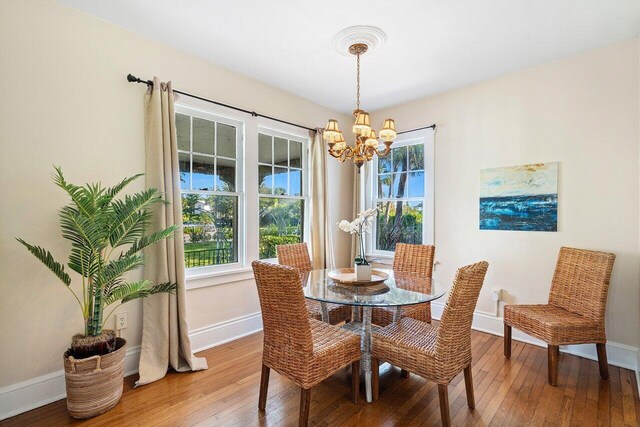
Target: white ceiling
432 45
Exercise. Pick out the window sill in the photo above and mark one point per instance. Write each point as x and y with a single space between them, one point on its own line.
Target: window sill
214 278
380 258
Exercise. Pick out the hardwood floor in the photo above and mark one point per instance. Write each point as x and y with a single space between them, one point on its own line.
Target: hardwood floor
508 393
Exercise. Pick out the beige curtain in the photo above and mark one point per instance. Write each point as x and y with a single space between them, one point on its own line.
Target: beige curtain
321 241
165 337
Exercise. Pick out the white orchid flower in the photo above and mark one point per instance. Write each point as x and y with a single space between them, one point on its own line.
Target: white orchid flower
363 223
344 225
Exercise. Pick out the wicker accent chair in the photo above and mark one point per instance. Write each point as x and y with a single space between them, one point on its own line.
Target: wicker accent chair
296 255
413 259
575 312
304 350
436 352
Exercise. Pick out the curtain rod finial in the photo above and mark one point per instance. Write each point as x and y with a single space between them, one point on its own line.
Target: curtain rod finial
133 79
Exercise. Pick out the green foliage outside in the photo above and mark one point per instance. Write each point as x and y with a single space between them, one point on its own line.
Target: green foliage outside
210 234
280 224
398 222
268 243
209 228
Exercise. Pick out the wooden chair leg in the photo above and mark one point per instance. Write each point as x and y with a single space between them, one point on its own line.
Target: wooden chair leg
444 405
264 386
375 379
305 401
507 341
602 360
355 381
553 356
404 374
468 384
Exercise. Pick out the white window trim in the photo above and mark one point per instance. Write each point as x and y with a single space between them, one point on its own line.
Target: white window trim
240 266
428 236
294 134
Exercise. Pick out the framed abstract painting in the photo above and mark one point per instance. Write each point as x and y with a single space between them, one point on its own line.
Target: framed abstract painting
521 198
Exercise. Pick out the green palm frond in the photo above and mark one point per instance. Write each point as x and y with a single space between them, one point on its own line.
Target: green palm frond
117 268
111 192
47 259
83 232
131 215
85 263
134 290
150 239
82 197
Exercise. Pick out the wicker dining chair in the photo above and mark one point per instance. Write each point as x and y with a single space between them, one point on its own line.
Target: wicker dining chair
296 255
413 259
435 352
575 311
303 349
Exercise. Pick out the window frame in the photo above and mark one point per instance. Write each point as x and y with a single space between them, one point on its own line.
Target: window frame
291 135
240 187
425 137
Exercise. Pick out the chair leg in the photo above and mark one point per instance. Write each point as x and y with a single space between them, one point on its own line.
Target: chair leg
375 379
444 405
355 381
468 385
404 374
264 386
507 341
602 360
305 401
553 356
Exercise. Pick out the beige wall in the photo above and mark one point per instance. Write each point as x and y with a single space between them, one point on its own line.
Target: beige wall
66 102
581 111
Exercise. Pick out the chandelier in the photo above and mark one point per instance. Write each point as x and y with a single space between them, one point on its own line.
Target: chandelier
366 140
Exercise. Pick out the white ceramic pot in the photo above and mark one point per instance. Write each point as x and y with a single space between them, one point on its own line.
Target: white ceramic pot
363 272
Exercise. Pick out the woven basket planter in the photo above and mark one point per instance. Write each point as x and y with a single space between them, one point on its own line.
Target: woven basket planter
94 384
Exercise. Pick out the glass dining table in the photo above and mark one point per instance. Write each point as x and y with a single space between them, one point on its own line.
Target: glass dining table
397 291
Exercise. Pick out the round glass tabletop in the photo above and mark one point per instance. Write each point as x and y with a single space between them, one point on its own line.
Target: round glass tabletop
398 290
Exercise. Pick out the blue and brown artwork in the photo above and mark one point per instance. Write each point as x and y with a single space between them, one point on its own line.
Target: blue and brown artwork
522 198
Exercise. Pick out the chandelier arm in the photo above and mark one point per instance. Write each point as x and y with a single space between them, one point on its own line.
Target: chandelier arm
383 152
334 153
348 152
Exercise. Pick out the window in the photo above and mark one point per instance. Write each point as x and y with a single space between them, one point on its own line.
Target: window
402 189
282 190
209 157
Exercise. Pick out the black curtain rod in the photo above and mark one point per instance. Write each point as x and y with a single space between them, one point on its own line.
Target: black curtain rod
433 126
133 79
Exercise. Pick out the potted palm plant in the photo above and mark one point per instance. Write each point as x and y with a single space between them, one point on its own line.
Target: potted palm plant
107 237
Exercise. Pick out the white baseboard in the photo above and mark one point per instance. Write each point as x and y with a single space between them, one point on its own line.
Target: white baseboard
223 332
39 391
621 355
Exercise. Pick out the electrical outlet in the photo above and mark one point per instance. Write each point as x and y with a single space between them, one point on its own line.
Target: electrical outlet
121 321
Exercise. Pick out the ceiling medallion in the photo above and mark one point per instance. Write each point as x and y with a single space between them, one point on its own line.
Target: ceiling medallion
366 142
373 37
